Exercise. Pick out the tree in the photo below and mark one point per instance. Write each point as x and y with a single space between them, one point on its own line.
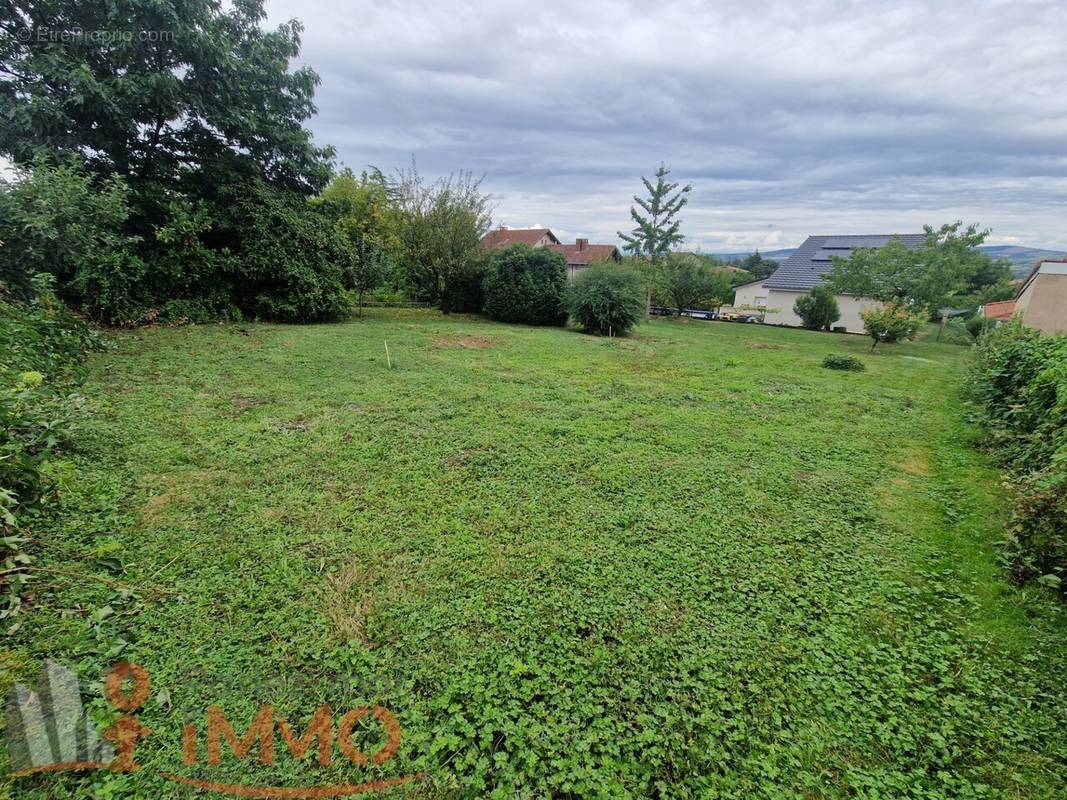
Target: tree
440 231
759 266
688 282
56 220
893 322
817 310
657 229
368 223
527 285
606 299
924 278
206 99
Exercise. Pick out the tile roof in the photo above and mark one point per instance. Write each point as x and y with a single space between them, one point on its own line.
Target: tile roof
1001 309
588 254
504 237
807 266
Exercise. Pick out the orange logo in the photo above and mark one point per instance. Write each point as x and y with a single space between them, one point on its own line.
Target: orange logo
53 734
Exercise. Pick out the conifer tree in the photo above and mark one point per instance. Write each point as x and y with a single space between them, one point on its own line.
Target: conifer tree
656 229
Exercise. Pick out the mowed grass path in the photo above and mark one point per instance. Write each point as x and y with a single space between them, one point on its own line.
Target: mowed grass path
689 563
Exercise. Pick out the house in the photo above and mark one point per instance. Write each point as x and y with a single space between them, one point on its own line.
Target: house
998 310
581 254
505 237
578 255
1042 300
806 269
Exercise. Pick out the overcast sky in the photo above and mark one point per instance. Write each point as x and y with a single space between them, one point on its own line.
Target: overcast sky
788 118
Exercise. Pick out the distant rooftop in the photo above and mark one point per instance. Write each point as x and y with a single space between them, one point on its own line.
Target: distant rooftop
807 267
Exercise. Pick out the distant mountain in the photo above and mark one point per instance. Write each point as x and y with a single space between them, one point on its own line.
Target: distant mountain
777 255
1022 258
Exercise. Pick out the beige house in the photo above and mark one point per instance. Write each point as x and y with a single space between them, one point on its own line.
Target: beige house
578 256
806 269
1042 301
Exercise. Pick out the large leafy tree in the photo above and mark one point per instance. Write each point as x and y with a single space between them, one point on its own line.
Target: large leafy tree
690 282
178 92
925 278
441 226
368 222
657 228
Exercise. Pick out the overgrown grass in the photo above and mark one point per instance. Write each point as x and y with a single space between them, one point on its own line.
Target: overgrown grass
689 563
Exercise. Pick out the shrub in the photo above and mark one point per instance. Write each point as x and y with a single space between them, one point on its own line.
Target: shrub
893 322
1019 382
976 325
42 346
817 310
606 299
289 262
526 285
847 363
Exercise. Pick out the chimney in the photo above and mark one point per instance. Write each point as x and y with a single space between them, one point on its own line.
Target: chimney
581 244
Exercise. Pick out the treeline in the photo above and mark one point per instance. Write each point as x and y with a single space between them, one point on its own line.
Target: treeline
1019 383
172 178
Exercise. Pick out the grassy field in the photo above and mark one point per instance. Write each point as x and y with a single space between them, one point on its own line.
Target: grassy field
690 563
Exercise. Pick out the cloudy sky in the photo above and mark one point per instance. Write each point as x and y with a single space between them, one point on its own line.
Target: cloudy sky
788 118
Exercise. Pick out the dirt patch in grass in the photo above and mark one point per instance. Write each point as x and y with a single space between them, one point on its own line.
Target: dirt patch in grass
916 464
363 587
464 342
762 346
243 402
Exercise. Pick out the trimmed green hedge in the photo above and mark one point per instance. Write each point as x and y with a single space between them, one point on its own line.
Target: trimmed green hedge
526 285
1019 381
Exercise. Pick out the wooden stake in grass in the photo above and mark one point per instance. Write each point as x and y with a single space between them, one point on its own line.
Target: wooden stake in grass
388 358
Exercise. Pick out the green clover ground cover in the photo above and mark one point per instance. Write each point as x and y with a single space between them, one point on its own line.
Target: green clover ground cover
690 563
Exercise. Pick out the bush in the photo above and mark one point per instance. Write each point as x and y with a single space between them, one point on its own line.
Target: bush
42 347
847 363
607 299
526 285
893 322
976 325
817 310
288 261
1019 382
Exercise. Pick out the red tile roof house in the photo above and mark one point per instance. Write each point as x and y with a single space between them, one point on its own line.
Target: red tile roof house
578 255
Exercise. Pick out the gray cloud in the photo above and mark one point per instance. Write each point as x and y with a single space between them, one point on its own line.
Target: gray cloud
788 118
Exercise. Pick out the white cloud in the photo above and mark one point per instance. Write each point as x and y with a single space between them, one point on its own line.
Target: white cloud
830 116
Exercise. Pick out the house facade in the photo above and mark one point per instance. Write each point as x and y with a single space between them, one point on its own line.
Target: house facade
806 269
1042 300
578 256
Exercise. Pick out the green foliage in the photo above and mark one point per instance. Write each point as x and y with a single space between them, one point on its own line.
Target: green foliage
210 101
1019 382
58 221
526 285
847 363
289 262
689 282
440 230
977 325
892 322
42 346
926 279
758 266
606 298
368 222
657 230
818 309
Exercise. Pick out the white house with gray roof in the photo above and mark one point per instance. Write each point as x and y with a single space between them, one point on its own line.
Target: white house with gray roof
806 269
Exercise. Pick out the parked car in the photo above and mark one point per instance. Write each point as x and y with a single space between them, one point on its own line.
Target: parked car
698 313
660 311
